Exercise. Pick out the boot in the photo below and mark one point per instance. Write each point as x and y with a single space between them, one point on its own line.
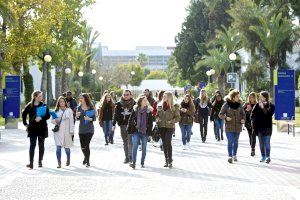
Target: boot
132 165
222 137
170 165
68 163
143 164
253 153
40 164
84 161
166 163
126 161
30 166
59 164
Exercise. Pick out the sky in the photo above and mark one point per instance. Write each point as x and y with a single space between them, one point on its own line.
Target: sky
124 24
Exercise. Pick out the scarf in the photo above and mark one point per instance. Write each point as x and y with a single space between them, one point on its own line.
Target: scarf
142 120
127 104
165 106
233 105
185 105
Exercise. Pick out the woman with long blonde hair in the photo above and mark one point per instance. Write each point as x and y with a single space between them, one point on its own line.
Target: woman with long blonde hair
167 115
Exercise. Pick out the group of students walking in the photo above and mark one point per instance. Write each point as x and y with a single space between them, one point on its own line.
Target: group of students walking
144 117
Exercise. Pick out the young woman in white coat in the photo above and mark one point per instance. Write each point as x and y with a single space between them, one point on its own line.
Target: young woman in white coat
63 137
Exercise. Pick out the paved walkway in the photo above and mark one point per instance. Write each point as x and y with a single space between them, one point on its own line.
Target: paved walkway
200 173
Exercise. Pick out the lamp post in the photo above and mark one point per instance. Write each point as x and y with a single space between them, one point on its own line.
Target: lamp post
80 74
67 72
232 58
101 79
94 79
48 59
132 75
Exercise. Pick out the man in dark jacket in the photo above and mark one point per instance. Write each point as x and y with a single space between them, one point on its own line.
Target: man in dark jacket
123 110
149 96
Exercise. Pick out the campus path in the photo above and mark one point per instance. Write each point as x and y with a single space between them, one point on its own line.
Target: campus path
200 173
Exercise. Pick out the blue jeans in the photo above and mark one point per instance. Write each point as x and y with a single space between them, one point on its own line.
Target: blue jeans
264 144
233 143
219 124
136 137
107 129
58 153
186 130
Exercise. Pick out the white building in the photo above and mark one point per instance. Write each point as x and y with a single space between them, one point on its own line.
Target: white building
158 57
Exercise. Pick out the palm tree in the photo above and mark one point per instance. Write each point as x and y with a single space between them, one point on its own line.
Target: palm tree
212 4
142 59
88 39
272 33
217 60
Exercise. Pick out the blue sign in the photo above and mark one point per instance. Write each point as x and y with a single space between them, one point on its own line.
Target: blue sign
284 82
187 87
202 85
12 100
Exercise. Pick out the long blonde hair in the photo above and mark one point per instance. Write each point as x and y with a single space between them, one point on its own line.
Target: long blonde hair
170 100
203 100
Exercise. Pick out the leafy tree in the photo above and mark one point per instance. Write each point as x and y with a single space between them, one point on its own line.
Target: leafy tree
157 75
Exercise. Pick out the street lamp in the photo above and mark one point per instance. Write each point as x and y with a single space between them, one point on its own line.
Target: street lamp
80 74
67 72
232 58
94 78
132 74
48 59
101 84
210 73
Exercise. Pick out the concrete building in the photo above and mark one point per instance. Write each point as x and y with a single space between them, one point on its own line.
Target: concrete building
158 57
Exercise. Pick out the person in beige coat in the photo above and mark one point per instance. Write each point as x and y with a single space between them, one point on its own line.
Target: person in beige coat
63 137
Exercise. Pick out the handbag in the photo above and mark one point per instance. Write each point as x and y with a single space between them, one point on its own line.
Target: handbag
196 117
56 127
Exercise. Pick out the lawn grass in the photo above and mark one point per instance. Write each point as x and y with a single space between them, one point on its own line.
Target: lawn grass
2 122
297 119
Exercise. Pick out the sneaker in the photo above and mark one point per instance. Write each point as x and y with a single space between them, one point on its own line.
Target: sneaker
268 160
188 145
230 160
140 148
235 159
184 147
263 159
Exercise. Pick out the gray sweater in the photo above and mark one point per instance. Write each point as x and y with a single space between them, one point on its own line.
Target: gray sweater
85 128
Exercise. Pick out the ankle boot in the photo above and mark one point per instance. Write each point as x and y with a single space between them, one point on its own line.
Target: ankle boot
132 165
59 164
40 164
30 166
68 163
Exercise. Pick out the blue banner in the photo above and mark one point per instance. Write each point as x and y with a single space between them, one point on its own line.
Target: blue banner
12 100
284 82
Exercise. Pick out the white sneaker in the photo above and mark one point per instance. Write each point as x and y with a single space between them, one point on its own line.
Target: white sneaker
235 159
188 145
184 147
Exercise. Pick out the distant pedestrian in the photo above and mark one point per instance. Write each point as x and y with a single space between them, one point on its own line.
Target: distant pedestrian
167 115
140 126
72 103
187 112
113 96
106 112
37 127
86 115
218 122
65 122
248 107
203 106
233 114
123 111
154 113
262 124
149 96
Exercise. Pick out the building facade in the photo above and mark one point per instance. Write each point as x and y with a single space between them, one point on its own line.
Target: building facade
157 57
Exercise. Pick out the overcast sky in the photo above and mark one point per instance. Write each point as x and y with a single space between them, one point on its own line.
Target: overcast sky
124 24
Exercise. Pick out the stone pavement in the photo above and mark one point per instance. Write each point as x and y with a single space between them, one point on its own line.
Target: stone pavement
199 173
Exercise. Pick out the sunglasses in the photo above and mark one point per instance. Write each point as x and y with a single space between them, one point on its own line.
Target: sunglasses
126 95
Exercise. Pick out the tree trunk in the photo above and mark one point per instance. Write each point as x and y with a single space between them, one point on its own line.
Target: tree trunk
58 82
220 84
212 25
28 83
88 64
272 63
44 79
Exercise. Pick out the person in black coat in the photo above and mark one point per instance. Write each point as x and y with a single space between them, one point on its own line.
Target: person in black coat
140 126
261 117
37 127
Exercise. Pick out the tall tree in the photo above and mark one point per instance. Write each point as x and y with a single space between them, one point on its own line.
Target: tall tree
142 59
272 33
